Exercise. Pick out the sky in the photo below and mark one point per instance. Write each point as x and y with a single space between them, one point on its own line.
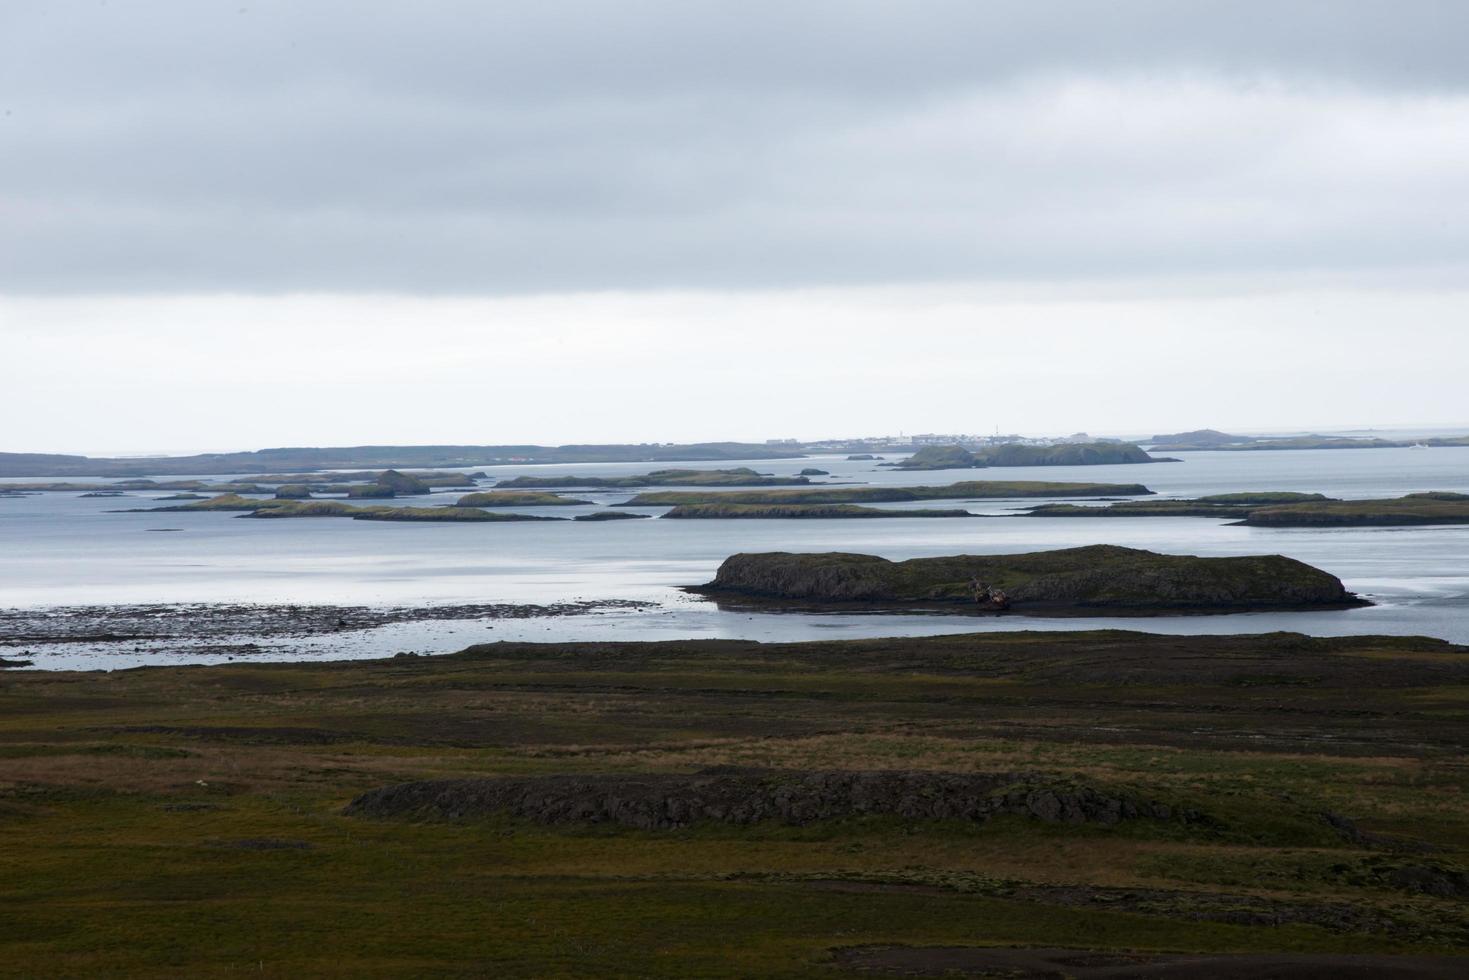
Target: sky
244 224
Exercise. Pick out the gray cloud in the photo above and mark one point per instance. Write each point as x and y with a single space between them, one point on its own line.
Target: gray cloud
490 148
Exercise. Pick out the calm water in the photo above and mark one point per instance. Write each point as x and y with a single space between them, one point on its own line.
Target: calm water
61 549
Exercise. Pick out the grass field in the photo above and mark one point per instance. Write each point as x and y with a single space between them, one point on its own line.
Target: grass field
188 821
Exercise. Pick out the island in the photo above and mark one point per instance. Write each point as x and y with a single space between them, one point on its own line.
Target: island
797 511
967 489
1223 505
297 460
283 508
741 476
1213 439
1286 509
516 498
1098 579
1431 507
1015 454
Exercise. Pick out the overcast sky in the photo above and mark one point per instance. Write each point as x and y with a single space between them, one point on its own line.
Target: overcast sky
226 225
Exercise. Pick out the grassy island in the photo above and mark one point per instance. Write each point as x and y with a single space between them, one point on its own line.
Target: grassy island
1222 505
1095 579
969 489
1415 509
470 515
515 498
698 808
741 476
1014 454
796 511
1213 439
278 508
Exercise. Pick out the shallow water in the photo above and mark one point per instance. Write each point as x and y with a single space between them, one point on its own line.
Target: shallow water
62 549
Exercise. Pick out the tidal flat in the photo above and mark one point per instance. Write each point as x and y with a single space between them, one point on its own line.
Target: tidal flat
1140 797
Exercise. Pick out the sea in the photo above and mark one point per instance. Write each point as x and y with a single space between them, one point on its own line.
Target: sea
63 550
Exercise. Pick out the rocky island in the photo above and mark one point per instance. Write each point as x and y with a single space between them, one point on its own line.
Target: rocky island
741 476
1014 454
1223 505
516 498
1214 440
968 489
1431 507
284 508
1100 579
797 511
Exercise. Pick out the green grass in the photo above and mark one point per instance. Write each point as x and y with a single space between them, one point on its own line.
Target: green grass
144 831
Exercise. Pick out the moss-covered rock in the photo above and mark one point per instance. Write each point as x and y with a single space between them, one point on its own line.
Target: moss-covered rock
293 491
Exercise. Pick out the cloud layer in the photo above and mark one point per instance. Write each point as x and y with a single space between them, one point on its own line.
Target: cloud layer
470 148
